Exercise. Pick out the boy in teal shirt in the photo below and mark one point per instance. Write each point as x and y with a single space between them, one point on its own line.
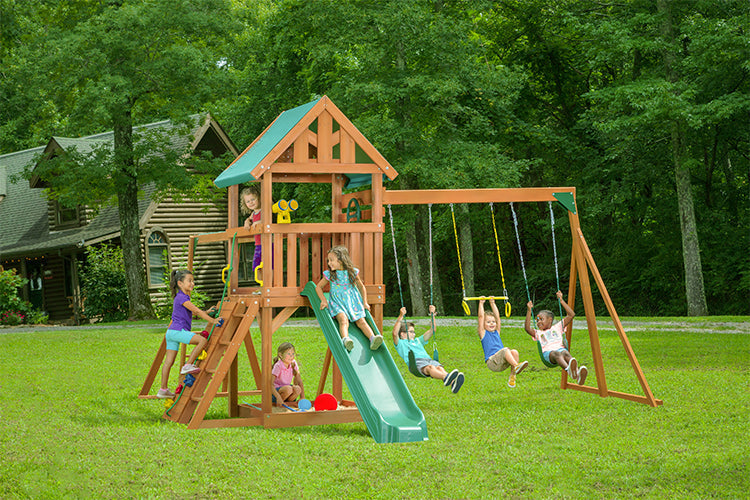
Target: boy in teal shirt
405 340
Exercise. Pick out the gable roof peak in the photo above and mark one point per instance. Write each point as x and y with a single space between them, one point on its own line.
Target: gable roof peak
335 150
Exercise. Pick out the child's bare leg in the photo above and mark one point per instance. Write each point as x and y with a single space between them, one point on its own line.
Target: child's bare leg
167 367
511 356
362 324
285 392
200 343
559 358
343 324
437 372
296 391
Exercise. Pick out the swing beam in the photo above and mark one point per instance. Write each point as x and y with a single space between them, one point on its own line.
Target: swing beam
582 265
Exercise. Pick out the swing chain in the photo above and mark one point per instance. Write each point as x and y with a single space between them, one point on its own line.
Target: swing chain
395 255
520 252
554 250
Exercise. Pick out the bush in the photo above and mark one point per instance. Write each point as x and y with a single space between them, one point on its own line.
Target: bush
12 308
11 318
36 317
103 284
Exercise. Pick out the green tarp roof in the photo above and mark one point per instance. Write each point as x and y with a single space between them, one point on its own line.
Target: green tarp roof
239 171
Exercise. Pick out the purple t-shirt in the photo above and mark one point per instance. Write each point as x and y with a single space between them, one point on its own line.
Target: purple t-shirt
182 318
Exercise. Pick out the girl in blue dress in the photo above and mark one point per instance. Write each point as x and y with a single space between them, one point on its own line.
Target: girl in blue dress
348 297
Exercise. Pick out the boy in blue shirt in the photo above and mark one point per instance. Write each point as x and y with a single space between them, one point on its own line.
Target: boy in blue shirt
496 355
405 340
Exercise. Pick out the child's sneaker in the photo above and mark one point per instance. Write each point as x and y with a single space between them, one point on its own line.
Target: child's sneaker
165 394
457 383
376 341
521 367
448 380
348 343
189 368
582 372
573 368
512 379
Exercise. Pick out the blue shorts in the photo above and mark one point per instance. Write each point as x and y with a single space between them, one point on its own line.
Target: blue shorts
546 354
177 337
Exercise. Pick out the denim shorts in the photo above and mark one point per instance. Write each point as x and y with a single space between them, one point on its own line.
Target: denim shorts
546 354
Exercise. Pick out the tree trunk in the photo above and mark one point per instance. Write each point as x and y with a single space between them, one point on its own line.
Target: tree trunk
467 252
414 270
691 257
130 234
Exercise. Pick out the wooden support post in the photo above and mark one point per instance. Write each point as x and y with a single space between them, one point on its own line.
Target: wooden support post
588 304
154 370
266 356
586 253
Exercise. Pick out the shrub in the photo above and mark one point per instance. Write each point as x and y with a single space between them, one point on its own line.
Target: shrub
12 307
104 286
36 317
11 318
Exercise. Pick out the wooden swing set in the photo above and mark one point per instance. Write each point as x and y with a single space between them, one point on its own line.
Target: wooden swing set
316 143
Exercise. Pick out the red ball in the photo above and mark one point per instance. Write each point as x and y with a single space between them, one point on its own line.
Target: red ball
325 401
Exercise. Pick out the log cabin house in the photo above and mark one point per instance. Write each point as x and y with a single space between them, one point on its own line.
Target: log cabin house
46 242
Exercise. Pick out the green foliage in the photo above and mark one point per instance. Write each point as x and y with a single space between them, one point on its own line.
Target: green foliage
36 317
13 308
103 284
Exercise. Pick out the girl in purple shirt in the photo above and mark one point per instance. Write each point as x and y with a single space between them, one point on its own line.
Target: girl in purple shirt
181 283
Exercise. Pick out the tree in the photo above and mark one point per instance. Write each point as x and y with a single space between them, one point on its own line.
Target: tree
411 77
132 61
679 78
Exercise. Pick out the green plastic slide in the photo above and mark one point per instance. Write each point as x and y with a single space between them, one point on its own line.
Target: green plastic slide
376 385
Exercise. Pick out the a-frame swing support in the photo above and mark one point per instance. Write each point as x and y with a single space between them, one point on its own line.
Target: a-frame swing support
581 264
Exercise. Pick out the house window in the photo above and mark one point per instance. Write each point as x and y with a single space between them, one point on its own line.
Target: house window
157 250
64 216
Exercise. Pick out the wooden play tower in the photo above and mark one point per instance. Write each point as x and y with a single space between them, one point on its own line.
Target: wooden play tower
316 143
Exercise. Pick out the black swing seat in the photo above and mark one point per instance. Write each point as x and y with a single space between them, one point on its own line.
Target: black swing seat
413 363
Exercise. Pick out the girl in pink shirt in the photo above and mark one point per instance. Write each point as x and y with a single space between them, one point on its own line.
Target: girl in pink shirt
287 381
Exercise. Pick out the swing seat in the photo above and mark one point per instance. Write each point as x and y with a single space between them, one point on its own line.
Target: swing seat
413 364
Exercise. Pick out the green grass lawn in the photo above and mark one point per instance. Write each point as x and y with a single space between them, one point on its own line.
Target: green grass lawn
71 425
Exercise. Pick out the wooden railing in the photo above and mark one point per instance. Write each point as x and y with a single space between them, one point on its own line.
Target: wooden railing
300 255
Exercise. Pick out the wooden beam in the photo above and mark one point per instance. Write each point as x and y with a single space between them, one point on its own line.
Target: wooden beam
499 195
615 319
304 178
328 167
